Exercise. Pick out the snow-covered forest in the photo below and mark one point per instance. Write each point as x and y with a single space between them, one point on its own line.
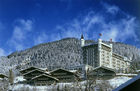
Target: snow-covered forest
65 52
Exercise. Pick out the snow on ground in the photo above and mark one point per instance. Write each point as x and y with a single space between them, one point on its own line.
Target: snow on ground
23 87
122 74
19 79
18 87
117 81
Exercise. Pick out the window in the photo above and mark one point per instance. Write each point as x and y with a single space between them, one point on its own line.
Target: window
103 52
107 53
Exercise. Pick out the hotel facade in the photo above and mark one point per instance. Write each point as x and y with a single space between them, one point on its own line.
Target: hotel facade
101 54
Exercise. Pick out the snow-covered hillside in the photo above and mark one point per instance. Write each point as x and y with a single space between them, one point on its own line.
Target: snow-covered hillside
66 52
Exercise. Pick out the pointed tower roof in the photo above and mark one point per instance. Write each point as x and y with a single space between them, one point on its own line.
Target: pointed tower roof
82 37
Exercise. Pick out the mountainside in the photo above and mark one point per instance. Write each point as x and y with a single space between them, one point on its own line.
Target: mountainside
65 52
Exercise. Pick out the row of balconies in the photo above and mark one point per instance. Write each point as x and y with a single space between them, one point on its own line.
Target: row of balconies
116 61
119 66
105 59
105 52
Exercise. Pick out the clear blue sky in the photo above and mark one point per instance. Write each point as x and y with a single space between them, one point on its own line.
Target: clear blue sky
25 23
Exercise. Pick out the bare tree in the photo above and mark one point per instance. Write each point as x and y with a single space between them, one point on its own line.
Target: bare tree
4 84
90 82
104 86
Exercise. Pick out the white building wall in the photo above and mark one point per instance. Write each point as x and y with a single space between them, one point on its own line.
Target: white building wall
82 42
99 51
111 55
105 57
120 63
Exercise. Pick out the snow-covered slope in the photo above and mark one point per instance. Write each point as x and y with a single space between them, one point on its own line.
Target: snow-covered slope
117 81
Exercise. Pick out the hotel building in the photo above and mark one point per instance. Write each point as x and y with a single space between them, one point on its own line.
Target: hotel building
101 54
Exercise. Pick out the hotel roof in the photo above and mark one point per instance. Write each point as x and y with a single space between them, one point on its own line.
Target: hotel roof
44 75
104 68
36 70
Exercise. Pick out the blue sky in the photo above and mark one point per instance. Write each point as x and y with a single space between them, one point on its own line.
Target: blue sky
25 23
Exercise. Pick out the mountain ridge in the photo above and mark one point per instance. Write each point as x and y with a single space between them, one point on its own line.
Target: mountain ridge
64 52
